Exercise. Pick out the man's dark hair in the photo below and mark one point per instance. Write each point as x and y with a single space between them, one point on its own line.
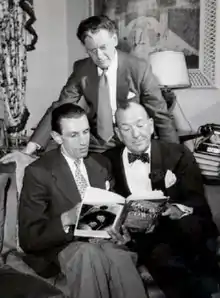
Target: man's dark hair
67 110
124 105
94 24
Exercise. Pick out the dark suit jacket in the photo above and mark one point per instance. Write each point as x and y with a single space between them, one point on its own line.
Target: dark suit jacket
133 74
49 190
188 190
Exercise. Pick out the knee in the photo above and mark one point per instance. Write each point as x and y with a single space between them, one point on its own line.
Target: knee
89 248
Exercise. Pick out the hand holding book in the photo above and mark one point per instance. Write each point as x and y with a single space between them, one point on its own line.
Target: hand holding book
144 211
102 211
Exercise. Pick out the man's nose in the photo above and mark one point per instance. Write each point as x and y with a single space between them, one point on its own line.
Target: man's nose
99 53
135 132
83 139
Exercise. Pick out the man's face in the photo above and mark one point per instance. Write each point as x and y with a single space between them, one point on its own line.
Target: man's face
134 128
74 137
100 47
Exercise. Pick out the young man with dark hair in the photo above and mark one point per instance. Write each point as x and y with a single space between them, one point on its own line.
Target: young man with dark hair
53 189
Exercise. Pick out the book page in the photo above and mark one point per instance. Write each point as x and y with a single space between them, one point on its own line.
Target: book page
100 210
97 195
154 195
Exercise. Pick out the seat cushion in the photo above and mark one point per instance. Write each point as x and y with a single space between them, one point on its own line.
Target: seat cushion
17 284
3 182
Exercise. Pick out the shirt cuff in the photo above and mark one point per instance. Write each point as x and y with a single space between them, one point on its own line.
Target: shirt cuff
66 229
186 210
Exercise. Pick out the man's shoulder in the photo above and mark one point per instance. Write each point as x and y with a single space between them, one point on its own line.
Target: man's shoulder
81 63
173 150
45 161
133 61
98 160
115 154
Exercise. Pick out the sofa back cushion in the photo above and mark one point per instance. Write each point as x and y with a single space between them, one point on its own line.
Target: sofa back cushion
9 200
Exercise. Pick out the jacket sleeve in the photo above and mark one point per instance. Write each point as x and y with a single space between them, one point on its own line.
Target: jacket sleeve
38 231
156 106
71 92
189 190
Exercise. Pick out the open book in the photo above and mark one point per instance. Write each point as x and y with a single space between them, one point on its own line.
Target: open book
102 209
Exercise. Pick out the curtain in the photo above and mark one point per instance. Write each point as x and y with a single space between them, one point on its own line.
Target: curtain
14 35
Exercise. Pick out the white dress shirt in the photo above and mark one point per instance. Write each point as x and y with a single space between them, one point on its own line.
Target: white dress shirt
137 174
111 75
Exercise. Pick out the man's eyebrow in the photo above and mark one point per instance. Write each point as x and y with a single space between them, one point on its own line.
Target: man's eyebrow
71 132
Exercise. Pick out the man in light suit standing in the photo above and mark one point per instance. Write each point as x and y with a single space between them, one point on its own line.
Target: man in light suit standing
105 79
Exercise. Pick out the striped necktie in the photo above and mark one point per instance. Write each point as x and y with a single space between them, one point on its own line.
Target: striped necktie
104 113
80 180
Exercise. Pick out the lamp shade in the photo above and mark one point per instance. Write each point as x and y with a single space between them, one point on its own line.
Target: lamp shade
170 69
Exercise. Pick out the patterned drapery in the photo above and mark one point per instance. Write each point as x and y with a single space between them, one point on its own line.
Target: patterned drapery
13 59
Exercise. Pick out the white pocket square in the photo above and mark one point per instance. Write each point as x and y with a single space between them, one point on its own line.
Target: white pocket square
107 185
170 179
131 95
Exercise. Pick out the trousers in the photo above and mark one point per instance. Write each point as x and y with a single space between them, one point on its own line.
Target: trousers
100 270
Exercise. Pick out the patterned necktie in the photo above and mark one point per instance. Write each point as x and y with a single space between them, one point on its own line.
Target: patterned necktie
144 157
80 179
104 113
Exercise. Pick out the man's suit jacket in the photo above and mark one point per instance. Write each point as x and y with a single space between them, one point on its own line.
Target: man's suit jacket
188 190
49 189
133 74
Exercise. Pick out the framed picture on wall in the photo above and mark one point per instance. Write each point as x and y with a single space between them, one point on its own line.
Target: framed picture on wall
189 26
150 25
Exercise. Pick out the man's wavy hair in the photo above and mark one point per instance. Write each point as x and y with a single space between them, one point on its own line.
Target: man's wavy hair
94 24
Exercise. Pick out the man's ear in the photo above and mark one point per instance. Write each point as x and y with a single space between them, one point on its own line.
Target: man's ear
151 122
57 137
115 38
118 133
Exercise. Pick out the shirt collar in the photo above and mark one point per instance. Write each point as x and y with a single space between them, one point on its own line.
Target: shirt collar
69 160
112 67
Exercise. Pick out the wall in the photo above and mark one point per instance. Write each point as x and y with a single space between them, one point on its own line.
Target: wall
47 64
198 106
76 10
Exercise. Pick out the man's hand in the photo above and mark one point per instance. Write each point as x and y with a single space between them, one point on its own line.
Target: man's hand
69 217
173 212
22 160
118 238
17 156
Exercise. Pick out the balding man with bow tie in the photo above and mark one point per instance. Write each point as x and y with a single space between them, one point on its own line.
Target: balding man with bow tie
175 252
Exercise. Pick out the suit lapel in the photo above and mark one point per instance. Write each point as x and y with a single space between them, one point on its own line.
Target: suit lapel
157 167
64 180
95 176
120 174
92 83
122 79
